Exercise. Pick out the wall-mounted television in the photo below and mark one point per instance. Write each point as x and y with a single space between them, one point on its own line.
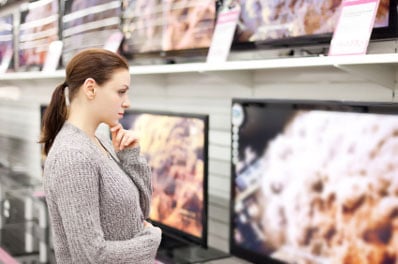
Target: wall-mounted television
88 24
283 23
39 26
314 182
6 42
175 146
160 28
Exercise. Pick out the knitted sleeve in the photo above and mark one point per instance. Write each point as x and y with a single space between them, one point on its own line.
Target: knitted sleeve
138 168
76 198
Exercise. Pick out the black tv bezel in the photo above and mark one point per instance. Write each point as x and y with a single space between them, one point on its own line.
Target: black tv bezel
170 56
382 33
169 230
299 104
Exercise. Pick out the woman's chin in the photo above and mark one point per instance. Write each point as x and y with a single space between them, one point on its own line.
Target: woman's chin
112 123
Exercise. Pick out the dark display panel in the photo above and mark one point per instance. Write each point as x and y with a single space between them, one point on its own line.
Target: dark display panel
314 182
175 147
168 25
38 28
88 24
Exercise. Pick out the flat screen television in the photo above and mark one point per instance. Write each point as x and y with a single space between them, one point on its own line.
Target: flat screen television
159 28
88 24
175 146
6 42
297 23
314 182
39 26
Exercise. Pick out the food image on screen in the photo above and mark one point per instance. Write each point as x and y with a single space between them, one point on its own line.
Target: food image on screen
88 24
174 149
38 28
317 186
168 25
143 25
6 39
277 19
189 24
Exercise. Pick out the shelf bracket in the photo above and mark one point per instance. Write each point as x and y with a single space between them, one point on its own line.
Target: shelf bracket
384 75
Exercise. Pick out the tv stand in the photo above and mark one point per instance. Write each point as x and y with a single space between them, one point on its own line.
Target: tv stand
174 250
170 242
190 254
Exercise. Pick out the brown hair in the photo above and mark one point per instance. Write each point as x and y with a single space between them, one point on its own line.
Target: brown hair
99 64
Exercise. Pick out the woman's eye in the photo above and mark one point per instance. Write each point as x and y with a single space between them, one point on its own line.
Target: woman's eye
122 91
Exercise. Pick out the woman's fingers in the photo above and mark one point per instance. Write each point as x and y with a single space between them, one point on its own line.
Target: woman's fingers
128 140
114 133
122 138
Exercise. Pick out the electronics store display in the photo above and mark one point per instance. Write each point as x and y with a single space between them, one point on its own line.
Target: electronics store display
88 24
176 149
175 146
158 28
314 182
38 28
283 23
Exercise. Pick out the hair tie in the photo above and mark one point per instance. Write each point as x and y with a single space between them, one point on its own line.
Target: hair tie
65 89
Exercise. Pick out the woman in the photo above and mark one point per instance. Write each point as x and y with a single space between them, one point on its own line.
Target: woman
98 192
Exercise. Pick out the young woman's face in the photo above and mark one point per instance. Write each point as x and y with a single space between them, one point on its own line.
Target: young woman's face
112 98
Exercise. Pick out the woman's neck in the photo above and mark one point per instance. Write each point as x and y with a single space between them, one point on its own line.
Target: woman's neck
84 123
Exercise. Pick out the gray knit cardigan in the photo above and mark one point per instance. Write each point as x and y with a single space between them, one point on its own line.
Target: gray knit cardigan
96 210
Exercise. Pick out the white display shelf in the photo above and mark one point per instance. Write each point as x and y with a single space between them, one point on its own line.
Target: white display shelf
378 68
321 61
18 76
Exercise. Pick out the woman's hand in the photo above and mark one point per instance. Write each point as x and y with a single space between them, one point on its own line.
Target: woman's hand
122 138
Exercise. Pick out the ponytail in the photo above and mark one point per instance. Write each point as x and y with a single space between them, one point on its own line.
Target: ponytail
54 117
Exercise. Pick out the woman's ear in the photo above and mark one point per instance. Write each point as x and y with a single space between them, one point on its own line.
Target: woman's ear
89 87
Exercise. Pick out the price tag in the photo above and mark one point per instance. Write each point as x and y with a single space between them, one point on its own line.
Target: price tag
223 35
53 56
114 41
6 60
354 27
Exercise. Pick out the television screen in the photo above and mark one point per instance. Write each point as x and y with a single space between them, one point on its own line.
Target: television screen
169 25
293 22
314 182
6 42
88 24
175 147
38 28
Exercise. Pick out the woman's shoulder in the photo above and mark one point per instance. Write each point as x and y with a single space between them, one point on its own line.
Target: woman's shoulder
70 144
